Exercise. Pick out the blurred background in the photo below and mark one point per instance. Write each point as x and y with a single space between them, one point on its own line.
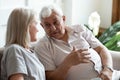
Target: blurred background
76 12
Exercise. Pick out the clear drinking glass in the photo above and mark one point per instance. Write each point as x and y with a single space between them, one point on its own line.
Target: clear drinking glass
96 78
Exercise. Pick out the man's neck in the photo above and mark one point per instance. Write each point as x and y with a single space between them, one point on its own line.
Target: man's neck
65 37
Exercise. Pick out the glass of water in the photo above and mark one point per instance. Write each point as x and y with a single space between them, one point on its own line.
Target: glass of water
96 78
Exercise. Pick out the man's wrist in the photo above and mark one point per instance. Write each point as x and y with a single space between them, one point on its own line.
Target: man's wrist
107 67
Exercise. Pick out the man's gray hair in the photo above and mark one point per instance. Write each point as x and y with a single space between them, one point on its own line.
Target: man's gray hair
47 11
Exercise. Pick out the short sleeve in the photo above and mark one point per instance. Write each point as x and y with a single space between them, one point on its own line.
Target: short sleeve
44 52
90 38
15 62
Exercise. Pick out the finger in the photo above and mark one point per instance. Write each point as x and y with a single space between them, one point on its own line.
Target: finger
104 77
101 76
85 60
82 50
74 49
84 55
87 56
85 52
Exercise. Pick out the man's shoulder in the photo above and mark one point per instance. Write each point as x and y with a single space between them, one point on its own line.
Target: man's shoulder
78 27
42 42
44 39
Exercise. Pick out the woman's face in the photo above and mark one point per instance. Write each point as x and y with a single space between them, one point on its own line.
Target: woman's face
33 30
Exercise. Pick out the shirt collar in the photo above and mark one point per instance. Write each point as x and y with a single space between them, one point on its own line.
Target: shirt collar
71 31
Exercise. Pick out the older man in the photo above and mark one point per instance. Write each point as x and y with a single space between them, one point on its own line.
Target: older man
71 52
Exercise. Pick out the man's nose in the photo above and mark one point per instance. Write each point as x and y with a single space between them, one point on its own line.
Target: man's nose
53 28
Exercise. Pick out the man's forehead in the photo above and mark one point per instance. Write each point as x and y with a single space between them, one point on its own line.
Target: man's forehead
51 18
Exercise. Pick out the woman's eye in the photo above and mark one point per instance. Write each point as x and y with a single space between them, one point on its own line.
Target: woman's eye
36 22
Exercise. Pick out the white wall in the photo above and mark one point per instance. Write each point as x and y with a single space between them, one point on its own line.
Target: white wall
106 13
67 10
7 6
82 9
2 35
78 11
3 21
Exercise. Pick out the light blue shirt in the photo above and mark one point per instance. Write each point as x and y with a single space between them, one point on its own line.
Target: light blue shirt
17 59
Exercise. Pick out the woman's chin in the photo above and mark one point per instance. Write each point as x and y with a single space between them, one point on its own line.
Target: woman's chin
34 40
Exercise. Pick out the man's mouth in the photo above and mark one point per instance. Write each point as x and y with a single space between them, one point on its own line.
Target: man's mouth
55 33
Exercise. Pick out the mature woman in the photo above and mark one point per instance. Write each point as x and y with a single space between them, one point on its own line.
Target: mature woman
19 61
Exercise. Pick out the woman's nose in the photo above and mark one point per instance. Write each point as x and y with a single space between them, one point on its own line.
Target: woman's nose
36 29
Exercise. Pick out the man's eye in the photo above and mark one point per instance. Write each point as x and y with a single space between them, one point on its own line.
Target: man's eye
47 25
56 23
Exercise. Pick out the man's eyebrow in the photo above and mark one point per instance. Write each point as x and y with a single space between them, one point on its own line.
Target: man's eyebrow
55 18
46 22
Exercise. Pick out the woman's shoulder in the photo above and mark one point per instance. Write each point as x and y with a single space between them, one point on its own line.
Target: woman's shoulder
12 51
13 48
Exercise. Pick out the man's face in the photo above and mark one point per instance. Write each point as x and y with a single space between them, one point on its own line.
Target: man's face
54 25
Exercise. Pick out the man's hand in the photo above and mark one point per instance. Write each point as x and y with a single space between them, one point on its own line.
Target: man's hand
77 57
84 55
106 74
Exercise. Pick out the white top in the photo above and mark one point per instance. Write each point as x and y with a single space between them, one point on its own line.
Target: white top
17 59
52 52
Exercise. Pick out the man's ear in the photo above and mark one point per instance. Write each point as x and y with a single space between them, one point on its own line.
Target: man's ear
64 18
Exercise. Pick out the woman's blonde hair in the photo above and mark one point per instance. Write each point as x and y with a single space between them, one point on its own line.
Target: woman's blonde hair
18 27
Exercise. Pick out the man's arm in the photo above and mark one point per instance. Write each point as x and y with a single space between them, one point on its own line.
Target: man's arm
105 56
74 58
107 64
59 74
61 71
